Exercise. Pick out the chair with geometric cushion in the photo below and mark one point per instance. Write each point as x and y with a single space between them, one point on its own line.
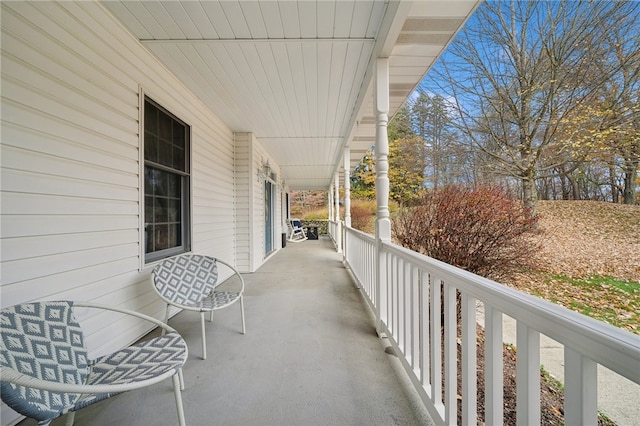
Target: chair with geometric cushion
45 368
190 282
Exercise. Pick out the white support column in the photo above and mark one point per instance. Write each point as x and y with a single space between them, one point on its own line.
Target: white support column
330 202
383 223
347 186
347 199
381 106
337 212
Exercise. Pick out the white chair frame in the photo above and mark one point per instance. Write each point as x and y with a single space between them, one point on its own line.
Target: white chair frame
297 233
202 294
15 378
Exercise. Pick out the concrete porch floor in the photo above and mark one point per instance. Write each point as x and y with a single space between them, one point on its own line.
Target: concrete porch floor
310 357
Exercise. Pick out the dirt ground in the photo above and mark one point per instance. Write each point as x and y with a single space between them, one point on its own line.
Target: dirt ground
551 393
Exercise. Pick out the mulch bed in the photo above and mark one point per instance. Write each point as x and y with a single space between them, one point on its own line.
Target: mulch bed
551 393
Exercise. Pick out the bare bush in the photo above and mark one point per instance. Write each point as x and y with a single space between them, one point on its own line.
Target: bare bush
361 218
482 230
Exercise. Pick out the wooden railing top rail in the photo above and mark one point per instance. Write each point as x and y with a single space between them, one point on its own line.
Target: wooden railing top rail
609 346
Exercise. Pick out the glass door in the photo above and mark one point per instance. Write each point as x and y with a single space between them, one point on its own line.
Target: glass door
269 211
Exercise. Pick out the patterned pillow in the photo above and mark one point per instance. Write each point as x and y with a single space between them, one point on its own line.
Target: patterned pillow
42 340
186 279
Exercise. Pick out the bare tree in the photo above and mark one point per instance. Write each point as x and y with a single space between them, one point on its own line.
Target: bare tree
520 68
446 160
621 102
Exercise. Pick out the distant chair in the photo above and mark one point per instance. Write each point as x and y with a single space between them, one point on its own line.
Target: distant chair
45 368
296 233
190 282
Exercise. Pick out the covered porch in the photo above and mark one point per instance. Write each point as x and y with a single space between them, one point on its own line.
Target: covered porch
311 356
273 104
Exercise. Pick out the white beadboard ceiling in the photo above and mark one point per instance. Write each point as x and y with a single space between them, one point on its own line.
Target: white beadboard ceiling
297 73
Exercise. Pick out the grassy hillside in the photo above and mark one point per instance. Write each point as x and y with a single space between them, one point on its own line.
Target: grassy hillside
589 260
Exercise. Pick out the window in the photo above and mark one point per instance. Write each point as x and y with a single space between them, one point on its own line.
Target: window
166 183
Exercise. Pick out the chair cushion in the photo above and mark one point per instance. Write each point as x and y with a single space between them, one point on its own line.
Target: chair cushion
42 340
186 279
142 361
219 299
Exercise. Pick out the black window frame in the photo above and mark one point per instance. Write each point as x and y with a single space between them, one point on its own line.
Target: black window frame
163 139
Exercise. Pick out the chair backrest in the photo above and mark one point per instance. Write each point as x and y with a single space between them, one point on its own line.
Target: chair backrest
296 223
185 279
42 340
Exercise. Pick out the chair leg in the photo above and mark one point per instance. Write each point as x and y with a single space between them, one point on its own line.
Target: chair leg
242 313
70 418
181 377
176 388
204 339
166 318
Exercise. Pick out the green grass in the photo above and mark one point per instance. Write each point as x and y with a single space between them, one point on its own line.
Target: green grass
552 381
607 299
631 287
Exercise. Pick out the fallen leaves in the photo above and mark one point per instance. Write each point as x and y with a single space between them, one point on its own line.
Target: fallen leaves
583 241
582 238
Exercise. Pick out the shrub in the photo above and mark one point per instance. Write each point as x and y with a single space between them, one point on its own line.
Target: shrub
364 204
317 214
483 230
361 218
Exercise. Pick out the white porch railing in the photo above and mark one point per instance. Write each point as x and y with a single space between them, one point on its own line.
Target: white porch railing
335 232
407 299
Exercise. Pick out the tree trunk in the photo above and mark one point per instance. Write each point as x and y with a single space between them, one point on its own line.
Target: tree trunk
613 185
544 190
563 187
553 191
529 193
574 187
630 172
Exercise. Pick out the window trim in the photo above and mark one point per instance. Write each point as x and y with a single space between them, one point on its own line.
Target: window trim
147 259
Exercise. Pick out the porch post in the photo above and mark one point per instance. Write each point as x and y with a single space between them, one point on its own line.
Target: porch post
336 195
347 186
347 200
330 201
383 223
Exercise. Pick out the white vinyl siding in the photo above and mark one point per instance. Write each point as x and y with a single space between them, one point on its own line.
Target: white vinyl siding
259 156
250 154
245 177
71 81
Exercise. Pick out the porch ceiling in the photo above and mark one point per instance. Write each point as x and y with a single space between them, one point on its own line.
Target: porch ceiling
296 73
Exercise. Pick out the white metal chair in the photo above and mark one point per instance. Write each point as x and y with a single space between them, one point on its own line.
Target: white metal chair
190 282
296 233
45 368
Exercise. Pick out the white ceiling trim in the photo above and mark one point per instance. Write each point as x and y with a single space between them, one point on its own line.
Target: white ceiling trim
296 73
259 40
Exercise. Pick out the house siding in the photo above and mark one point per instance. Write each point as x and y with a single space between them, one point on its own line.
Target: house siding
260 155
245 176
72 80
250 155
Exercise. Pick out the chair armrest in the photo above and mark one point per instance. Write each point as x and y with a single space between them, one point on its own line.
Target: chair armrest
151 319
10 375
